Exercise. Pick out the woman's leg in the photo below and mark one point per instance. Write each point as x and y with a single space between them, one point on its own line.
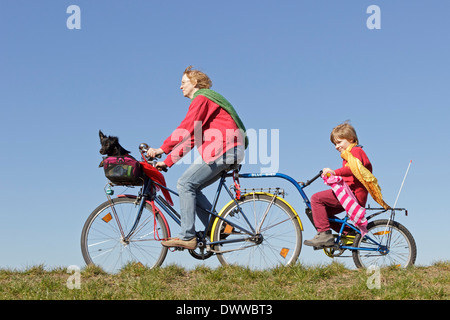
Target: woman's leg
198 176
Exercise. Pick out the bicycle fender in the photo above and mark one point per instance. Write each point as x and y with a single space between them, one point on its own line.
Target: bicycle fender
131 196
265 193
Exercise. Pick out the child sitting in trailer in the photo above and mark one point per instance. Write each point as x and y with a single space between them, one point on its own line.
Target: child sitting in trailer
356 174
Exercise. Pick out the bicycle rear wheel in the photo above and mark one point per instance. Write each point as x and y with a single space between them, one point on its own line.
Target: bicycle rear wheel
103 240
278 234
386 244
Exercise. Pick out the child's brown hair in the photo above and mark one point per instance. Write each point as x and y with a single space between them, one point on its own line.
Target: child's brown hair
344 131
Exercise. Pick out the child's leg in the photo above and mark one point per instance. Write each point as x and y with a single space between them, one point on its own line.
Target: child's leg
324 205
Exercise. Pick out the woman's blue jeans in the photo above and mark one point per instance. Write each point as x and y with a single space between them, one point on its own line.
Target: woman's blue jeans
198 176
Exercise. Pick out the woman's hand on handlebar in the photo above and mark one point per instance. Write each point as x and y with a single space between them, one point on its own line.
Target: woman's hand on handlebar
161 166
153 153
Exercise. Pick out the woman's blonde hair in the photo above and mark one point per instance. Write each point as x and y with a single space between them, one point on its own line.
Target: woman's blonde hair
202 79
344 131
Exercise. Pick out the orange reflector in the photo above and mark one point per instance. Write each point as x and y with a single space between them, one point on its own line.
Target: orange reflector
228 229
107 218
284 252
380 233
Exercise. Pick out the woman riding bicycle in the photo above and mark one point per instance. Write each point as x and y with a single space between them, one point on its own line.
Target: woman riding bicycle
212 125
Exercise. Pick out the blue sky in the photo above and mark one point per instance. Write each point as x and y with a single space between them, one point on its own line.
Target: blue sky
298 68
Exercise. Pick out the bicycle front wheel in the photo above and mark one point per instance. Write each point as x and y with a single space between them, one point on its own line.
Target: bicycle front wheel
273 236
387 243
104 242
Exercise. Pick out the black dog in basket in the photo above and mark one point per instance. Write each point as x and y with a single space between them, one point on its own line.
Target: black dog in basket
120 168
111 147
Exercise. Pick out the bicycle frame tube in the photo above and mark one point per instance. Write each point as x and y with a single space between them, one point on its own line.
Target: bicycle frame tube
308 204
149 183
344 223
221 185
283 176
145 194
167 210
212 211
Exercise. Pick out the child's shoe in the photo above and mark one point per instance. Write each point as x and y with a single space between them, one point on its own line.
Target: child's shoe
321 239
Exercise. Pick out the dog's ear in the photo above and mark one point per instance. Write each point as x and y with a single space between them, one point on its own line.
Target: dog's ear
101 135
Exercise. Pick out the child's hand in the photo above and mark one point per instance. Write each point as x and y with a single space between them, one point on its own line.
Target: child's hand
328 170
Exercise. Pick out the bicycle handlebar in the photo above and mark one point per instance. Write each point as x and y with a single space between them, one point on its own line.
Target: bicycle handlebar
313 179
143 148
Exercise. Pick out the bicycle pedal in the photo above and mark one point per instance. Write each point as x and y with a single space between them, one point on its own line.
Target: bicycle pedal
334 246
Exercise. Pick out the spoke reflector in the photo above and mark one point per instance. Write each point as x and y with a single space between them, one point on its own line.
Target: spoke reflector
107 218
228 229
284 252
380 233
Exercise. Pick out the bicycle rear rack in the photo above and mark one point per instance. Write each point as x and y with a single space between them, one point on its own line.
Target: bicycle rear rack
276 190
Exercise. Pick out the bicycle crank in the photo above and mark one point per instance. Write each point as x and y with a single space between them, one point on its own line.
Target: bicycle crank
199 253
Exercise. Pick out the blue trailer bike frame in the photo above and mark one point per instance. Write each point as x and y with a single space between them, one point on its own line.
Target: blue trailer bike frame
379 243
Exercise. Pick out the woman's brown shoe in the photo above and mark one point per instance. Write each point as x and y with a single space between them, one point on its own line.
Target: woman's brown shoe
177 242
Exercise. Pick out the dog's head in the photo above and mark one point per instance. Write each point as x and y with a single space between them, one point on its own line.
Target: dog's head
110 145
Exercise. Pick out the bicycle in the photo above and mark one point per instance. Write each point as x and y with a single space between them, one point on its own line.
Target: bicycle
256 230
387 243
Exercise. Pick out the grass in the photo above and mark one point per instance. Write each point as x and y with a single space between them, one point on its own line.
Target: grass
134 282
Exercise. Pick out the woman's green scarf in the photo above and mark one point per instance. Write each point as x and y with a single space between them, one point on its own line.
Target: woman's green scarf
222 102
